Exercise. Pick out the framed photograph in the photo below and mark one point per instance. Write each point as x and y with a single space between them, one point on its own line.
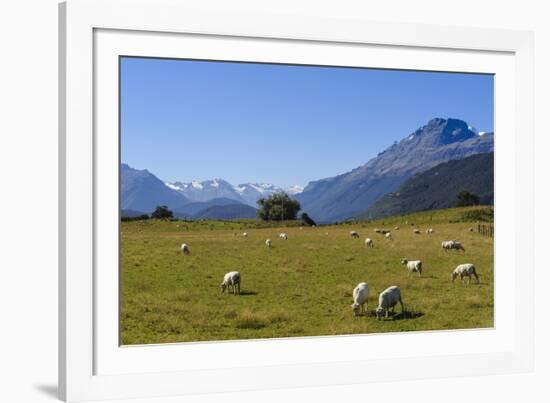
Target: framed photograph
260 201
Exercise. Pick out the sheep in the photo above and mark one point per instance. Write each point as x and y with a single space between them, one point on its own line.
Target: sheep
429 231
231 280
245 234
471 229
387 300
283 235
416 231
360 298
369 243
185 249
396 227
268 243
413 266
381 231
458 246
353 234
448 245
465 270
388 236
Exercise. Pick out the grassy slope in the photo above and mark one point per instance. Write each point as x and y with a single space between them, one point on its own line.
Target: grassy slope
301 287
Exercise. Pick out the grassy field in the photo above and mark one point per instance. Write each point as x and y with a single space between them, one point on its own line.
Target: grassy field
299 287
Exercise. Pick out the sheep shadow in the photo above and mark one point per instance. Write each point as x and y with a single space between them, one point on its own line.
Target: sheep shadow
248 293
406 315
471 284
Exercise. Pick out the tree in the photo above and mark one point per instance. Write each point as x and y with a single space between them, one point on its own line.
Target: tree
307 219
162 212
465 198
278 207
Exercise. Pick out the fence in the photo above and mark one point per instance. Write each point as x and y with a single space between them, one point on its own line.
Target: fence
486 230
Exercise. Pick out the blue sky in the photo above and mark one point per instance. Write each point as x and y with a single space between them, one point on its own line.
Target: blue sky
243 122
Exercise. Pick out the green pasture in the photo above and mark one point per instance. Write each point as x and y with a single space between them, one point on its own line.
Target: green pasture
299 287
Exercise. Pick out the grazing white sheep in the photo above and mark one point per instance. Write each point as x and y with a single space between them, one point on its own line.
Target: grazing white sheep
416 231
429 231
465 270
369 243
388 236
353 234
245 234
268 243
387 300
396 227
360 298
448 245
413 266
283 235
231 280
301 228
185 249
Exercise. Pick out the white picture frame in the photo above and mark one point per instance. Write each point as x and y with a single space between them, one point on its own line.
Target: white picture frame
93 33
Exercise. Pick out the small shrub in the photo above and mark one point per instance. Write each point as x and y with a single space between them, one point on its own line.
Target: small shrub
482 214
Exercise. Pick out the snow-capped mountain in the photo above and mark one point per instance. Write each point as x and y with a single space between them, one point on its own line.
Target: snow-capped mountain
247 193
206 190
142 192
250 193
294 190
351 193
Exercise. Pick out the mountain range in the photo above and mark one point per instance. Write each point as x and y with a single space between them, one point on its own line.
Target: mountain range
350 194
141 192
338 198
247 193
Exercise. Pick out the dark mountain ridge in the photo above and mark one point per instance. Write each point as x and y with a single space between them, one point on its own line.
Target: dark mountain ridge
437 188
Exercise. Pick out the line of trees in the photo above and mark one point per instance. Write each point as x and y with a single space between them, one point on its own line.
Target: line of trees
280 207
277 207
161 212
